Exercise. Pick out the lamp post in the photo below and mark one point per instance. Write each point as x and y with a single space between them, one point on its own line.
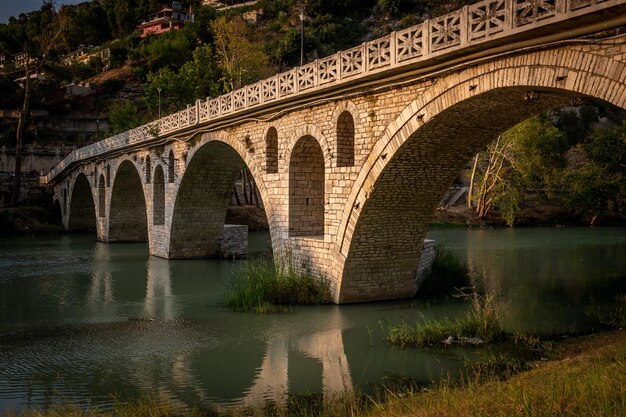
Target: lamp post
159 90
301 35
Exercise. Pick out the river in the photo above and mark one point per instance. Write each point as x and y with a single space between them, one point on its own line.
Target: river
93 323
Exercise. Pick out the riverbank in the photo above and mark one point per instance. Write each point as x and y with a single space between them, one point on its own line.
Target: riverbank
29 219
585 376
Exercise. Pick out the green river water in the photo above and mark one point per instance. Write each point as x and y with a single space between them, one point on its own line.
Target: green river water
93 323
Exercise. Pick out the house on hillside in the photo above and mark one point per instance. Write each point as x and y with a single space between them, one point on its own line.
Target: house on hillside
168 18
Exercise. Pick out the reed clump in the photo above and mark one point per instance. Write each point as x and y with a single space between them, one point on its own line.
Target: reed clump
480 324
264 286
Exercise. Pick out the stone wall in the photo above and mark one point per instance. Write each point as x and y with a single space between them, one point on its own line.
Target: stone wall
426 261
234 244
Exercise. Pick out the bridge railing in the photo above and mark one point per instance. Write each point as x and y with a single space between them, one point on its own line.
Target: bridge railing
473 24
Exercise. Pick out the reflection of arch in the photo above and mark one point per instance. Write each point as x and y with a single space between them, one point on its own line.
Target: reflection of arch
271 151
148 169
81 209
171 167
345 140
127 212
159 301
203 196
306 188
158 197
101 197
423 149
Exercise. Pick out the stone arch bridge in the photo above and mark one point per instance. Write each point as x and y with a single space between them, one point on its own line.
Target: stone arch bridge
351 153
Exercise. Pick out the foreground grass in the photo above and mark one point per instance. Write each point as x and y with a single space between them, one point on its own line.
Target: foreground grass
263 287
587 379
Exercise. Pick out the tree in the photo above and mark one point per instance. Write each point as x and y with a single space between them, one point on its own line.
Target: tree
599 187
529 156
124 116
194 80
38 39
239 53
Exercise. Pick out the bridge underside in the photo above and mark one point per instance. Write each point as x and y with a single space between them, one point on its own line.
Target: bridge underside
386 245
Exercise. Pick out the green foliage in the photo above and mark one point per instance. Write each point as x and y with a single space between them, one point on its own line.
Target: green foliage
529 156
261 286
239 53
599 187
538 153
446 275
124 116
166 50
195 79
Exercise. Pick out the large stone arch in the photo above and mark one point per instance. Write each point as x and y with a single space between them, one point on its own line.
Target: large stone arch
202 198
81 210
420 153
127 208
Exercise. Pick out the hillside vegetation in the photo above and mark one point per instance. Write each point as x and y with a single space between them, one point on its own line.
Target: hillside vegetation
560 158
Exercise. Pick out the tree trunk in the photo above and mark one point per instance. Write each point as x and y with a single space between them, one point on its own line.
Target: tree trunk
21 125
236 195
471 185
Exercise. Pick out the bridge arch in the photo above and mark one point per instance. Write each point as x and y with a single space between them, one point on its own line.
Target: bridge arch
158 197
306 188
203 196
345 119
127 207
81 210
271 150
421 152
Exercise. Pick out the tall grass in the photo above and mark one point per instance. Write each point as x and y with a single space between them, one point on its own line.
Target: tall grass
263 286
481 324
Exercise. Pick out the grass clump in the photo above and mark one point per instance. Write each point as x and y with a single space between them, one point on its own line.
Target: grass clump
446 274
481 324
263 287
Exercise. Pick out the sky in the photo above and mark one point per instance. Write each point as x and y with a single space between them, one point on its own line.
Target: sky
15 7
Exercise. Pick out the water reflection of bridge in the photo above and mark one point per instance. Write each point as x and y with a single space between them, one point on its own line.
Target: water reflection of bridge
269 381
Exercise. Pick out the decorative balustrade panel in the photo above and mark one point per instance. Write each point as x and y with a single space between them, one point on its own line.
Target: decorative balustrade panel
203 111
270 90
328 70
239 99
287 83
214 108
254 94
183 118
306 76
352 62
379 53
226 103
410 43
487 18
530 11
445 31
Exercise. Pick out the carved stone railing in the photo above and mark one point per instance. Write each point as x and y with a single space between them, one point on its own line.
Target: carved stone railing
471 25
